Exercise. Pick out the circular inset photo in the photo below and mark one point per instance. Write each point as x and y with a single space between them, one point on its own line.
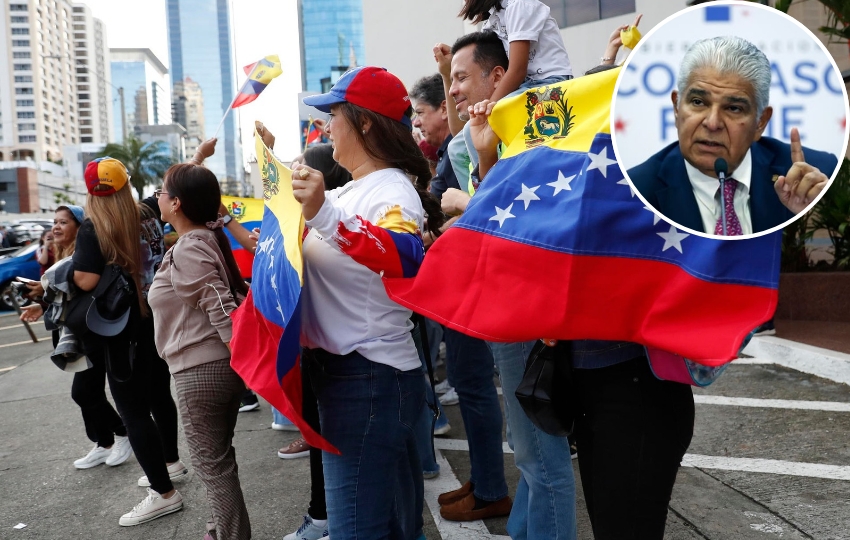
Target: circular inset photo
730 119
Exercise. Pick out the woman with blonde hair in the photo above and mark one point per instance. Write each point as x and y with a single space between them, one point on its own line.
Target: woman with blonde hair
110 238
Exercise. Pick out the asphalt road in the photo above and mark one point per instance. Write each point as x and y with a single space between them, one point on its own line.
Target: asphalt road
769 459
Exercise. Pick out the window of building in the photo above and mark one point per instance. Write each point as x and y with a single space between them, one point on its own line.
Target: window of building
21 54
26 114
83 96
20 43
26 138
23 78
23 67
574 12
25 103
17 7
26 127
19 19
23 91
20 31
4 186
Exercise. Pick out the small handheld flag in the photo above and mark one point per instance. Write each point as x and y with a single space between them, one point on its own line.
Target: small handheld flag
260 74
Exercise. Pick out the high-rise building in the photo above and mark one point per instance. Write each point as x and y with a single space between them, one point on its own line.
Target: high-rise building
38 87
188 109
331 35
200 46
93 77
143 79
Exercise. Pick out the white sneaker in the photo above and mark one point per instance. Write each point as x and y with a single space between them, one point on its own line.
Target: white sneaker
175 471
284 427
442 387
95 457
449 398
152 507
442 430
309 531
121 450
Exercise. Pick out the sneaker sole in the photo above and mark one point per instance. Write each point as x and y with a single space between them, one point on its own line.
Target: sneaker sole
285 427
765 333
252 407
174 476
442 430
449 402
120 460
305 453
152 517
85 466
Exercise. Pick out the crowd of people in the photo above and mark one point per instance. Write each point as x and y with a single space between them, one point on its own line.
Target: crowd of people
126 310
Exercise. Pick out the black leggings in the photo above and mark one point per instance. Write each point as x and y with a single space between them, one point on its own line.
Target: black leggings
631 433
89 392
146 392
310 412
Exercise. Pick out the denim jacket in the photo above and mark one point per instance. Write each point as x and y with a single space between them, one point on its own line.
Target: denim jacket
594 354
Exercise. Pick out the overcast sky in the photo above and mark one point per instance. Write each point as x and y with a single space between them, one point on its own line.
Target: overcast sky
262 27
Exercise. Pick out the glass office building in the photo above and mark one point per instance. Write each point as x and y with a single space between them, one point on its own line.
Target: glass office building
200 46
332 34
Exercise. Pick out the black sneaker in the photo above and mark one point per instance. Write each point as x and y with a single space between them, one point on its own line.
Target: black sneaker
767 329
249 402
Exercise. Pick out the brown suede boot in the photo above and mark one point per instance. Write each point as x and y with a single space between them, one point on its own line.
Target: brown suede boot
464 509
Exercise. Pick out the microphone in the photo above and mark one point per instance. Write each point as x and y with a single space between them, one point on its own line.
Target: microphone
721 169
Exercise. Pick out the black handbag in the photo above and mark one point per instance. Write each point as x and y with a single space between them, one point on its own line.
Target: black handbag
546 391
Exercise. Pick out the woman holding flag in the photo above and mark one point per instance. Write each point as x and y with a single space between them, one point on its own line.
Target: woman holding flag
359 352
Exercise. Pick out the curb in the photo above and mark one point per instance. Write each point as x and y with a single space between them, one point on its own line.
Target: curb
825 363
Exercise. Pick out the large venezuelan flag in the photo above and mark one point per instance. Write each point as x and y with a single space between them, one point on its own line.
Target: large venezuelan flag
267 326
555 244
260 74
247 212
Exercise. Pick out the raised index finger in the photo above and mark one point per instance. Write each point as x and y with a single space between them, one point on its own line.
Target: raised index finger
796 147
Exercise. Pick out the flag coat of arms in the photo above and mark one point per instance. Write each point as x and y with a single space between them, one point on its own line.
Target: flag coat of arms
247 212
555 245
267 326
260 74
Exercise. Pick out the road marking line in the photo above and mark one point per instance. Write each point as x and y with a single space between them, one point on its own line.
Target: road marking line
23 342
10 327
834 406
751 362
447 481
768 466
7 369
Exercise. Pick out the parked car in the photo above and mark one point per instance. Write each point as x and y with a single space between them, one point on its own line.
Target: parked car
28 230
18 263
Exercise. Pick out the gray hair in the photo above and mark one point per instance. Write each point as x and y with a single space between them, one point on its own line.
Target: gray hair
729 54
429 90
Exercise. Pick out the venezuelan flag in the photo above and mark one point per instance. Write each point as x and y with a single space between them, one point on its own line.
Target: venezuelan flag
555 244
267 326
249 213
260 74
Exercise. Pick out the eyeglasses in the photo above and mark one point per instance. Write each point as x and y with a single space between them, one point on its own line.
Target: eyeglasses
158 192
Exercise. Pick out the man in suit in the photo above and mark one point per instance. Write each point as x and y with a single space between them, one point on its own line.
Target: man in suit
721 110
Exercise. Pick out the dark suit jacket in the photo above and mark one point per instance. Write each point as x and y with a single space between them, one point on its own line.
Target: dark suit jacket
663 182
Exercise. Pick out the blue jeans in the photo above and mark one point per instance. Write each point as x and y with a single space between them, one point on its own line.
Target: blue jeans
367 411
471 366
426 417
279 418
545 502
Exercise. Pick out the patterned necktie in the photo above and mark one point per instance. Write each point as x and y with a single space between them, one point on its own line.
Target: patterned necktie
733 226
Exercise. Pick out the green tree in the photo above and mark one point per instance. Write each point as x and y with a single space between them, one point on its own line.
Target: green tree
146 162
838 25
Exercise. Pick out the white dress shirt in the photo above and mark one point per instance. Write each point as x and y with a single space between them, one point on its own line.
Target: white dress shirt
707 192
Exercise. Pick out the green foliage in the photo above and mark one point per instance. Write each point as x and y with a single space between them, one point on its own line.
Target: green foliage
146 162
832 214
838 12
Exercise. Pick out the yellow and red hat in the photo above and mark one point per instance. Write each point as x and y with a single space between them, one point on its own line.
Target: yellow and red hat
105 176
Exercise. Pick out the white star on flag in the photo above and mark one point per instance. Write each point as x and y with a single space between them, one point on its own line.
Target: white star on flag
274 285
600 161
655 217
626 183
562 183
502 215
271 261
266 245
672 239
528 195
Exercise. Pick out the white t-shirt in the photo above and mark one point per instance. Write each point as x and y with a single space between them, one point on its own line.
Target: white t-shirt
529 20
345 306
707 192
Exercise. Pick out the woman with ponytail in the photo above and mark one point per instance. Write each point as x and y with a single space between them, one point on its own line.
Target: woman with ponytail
193 294
359 351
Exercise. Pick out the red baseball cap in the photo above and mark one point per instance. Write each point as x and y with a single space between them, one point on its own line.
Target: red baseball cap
372 88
